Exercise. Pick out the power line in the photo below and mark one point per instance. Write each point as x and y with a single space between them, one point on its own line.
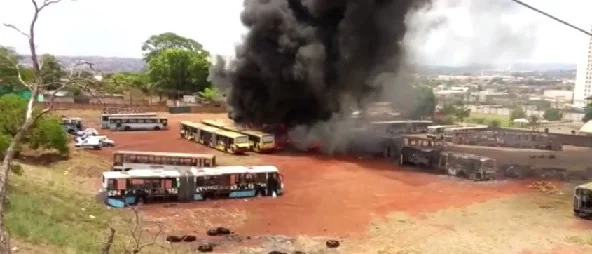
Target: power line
552 17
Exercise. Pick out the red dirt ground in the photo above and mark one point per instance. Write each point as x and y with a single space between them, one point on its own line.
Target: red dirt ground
324 196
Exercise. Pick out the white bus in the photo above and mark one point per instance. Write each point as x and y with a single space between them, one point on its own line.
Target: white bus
123 188
130 123
128 160
105 117
437 131
449 133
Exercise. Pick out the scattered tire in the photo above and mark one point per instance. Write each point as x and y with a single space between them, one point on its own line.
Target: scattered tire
298 252
173 238
189 238
276 252
205 248
212 232
332 244
222 231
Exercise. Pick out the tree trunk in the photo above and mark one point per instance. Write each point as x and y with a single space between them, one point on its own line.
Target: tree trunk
4 171
107 246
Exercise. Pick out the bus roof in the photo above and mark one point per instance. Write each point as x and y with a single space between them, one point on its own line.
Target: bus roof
138 117
403 121
192 124
138 173
128 114
192 155
221 170
256 133
159 173
587 186
441 126
223 125
230 134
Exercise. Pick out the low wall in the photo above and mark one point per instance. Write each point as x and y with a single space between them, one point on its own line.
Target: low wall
144 108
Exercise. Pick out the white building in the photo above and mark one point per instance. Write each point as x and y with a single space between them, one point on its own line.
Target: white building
583 85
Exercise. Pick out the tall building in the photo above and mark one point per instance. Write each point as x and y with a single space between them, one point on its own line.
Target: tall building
583 85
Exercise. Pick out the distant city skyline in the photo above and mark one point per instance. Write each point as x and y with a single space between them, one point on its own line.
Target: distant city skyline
118 28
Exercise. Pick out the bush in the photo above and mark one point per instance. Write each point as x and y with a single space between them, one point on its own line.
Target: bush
47 133
494 123
552 114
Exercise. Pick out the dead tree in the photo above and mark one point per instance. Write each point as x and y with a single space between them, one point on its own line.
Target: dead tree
36 87
136 239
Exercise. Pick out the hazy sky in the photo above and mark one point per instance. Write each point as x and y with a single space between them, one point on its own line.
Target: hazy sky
118 28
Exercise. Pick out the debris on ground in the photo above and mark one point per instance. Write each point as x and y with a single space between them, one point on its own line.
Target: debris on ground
545 187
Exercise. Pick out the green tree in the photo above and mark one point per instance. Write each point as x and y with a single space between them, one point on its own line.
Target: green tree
160 42
424 102
534 121
46 133
587 113
176 71
9 72
517 113
553 114
51 71
209 93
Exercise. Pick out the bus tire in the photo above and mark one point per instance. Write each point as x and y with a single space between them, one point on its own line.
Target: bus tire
156 128
126 128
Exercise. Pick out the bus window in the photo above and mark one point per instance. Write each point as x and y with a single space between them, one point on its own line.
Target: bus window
118 159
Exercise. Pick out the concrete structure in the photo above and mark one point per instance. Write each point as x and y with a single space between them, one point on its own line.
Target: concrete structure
560 95
490 97
583 86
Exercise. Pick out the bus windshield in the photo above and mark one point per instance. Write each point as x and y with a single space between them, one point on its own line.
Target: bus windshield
241 139
268 138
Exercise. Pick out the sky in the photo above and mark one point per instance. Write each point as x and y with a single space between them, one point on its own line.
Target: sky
473 32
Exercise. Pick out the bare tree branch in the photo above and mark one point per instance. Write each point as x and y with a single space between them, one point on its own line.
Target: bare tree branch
13 27
109 243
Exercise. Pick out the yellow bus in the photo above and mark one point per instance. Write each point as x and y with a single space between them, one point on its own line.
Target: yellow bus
227 141
259 141
231 142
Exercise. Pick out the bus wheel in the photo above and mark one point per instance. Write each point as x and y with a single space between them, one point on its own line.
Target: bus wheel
156 128
126 128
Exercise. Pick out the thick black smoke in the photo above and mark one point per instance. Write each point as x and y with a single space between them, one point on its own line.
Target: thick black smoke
304 60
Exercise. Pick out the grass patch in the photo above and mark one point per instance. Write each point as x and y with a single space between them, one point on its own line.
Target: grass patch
503 119
42 214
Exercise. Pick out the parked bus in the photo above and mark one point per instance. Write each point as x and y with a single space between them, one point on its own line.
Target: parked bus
582 200
124 188
105 117
129 160
259 141
401 127
72 125
129 123
449 133
226 141
437 131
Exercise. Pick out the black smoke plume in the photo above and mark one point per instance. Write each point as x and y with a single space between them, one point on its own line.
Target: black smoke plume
302 61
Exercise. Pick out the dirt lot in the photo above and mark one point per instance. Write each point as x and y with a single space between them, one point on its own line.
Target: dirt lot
373 206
